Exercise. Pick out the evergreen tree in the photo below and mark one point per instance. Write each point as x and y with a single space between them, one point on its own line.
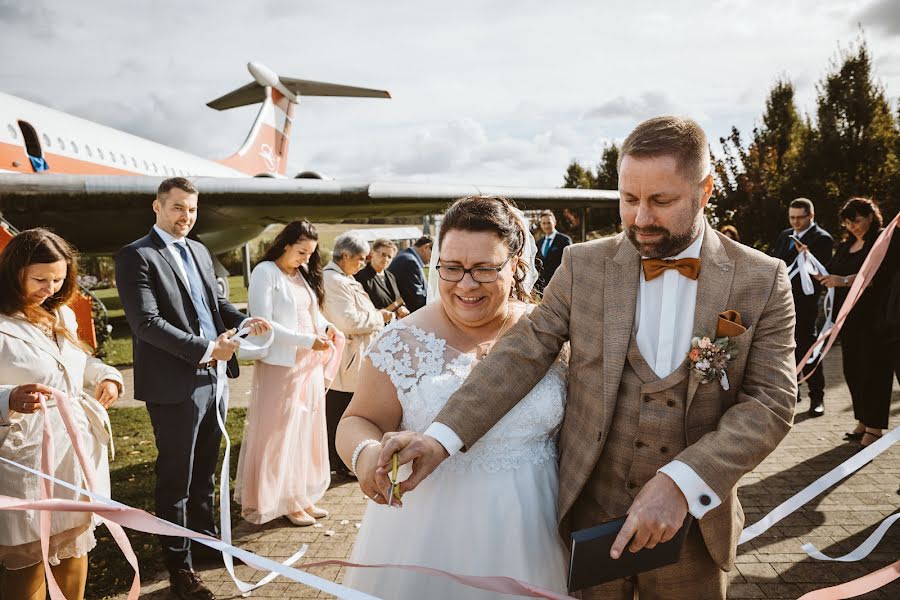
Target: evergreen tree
608 169
578 177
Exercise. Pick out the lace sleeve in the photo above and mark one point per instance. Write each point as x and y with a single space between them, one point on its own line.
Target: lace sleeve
406 354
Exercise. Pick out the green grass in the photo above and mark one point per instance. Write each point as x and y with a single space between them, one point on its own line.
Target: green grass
133 481
118 349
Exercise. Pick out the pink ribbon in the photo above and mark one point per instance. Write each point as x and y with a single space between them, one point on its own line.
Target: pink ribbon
48 454
857 587
863 278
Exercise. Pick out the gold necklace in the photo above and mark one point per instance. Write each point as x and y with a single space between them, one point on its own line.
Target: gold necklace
479 352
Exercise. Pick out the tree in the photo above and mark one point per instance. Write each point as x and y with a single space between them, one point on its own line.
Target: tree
578 177
607 177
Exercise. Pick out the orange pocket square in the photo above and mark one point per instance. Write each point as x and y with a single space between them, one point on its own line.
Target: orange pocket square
729 324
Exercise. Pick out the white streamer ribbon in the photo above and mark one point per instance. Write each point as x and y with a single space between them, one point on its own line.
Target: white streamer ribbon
846 468
804 266
254 560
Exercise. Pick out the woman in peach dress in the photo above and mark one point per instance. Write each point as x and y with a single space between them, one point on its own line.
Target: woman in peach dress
283 466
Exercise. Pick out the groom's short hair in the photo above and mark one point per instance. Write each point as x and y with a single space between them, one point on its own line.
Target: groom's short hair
674 136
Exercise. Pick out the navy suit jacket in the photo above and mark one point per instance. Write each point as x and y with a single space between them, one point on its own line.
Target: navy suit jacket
408 269
820 243
550 261
164 324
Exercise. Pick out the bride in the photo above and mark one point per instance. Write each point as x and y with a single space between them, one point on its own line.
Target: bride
490 510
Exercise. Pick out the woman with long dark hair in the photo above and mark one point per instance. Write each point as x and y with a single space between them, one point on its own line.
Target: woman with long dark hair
865 352
41 350
283 467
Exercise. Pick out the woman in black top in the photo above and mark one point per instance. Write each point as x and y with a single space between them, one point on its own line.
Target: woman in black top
379 283
865 350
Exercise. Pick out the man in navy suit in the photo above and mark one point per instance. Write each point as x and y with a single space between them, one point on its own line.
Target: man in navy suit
550 249
181 328
408 268
819 242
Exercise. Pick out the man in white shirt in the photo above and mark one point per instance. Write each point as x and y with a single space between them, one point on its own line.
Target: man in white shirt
650 430
167 287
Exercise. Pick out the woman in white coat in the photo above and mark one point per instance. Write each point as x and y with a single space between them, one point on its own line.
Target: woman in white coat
348 306
40 349
283 465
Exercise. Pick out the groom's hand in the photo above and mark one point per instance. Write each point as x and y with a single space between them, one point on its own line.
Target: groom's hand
423 451
655 516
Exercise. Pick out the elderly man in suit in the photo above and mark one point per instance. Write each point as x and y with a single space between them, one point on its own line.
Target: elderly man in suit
408 268
649 430
814 239
550 249
167 286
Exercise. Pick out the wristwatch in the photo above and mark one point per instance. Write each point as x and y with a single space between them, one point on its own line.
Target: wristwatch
846 280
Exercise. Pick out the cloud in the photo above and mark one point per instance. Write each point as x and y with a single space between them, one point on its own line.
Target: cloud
883 15
36 16
646 105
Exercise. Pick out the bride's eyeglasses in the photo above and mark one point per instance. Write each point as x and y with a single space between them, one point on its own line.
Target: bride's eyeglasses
455 274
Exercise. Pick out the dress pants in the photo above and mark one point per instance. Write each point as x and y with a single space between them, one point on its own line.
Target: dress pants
805 334
694 577
187 438
868 371
335 404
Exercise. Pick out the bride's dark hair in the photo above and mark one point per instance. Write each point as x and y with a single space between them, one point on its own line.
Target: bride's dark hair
495 214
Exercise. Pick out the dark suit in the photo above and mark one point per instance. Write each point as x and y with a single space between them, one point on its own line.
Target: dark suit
382 291
551 259
409 270
180 395
821 245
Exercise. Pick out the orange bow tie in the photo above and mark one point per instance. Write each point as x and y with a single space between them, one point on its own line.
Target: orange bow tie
654 267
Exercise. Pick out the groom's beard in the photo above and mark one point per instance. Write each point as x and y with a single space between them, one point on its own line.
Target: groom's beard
668 245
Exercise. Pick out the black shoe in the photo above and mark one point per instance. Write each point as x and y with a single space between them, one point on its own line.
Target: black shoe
816 408
854 436
187 586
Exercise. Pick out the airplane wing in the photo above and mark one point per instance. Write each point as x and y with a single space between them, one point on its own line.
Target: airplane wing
99 213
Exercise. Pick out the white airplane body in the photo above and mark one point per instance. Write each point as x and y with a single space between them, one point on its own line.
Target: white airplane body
93 184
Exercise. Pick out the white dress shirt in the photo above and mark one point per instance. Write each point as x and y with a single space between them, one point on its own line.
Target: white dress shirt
664 323
547 242
170 241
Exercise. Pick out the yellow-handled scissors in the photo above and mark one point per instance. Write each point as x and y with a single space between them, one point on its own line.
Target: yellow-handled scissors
395 482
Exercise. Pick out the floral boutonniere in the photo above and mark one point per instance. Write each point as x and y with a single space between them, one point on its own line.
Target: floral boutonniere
711 357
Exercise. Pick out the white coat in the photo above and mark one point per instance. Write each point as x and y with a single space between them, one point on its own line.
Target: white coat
28 356
270 297
348 306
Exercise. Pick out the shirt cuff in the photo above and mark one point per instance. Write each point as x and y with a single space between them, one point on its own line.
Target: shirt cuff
209 350
700 497
5 392
446 437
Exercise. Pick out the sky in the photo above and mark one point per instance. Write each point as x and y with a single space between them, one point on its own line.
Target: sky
484 92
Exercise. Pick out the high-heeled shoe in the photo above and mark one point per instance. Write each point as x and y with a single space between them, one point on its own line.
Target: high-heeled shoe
315 511
875 437
301 519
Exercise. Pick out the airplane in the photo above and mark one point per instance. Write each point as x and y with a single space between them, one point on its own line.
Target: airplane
94 184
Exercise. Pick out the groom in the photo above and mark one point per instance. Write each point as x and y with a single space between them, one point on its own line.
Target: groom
642 435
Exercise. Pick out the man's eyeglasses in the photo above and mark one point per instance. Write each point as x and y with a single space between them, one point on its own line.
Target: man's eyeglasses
455 274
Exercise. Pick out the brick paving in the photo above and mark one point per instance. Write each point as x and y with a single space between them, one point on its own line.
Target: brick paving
771 566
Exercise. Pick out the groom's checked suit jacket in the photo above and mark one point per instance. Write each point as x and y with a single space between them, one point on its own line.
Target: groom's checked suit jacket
590 302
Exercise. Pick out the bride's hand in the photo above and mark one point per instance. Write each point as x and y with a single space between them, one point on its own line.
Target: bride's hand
366 465
425 452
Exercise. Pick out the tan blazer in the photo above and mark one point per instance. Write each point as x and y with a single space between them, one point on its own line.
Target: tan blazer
591 303
348 306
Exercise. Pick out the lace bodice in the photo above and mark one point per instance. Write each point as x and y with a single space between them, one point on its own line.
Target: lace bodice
426 371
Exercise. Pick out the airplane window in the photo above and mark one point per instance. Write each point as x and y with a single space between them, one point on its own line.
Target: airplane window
62 144
74 147
12 131
46 140
99 153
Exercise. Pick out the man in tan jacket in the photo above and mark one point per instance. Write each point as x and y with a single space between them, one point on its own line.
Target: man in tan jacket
649 431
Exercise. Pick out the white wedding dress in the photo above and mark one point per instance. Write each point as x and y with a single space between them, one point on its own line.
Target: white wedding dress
489 511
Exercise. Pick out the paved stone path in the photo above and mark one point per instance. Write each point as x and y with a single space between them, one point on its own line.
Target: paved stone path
771 566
